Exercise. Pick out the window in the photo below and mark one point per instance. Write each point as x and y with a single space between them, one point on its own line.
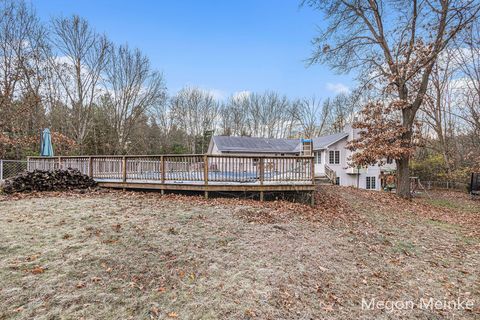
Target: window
337 181
371 183
389 160
334 157
318 157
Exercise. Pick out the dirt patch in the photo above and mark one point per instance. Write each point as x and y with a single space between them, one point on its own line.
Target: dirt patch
140 255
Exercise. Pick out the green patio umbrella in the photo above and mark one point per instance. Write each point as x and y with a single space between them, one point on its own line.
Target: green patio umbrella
46 148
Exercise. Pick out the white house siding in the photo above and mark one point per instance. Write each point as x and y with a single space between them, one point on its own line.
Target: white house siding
214 149
342 169
348 175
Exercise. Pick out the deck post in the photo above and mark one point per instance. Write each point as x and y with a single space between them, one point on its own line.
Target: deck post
90 167
205 173
262 170
262 175
124 169
162 169
162 173
312 198
312 170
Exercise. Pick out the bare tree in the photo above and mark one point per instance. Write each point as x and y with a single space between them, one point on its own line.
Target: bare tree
79 59
468 58
269 115
234 114
195 111
132 89
22 39
312 116
439 105
395 43
342 109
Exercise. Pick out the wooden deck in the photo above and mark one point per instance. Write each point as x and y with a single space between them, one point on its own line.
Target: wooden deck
215 173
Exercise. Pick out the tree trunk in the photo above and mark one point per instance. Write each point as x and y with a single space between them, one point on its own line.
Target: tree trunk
403 177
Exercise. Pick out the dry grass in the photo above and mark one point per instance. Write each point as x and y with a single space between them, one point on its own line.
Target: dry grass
140 256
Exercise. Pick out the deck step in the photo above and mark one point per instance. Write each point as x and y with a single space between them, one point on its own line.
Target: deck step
322 180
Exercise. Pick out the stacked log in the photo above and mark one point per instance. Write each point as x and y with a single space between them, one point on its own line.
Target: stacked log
56 180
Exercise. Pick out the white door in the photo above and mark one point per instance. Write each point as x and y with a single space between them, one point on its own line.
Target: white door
319 163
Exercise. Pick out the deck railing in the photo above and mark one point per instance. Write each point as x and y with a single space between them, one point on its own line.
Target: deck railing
195 169
331 174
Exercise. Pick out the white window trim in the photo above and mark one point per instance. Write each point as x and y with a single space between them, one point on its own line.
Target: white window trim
371 183
318 157
334 153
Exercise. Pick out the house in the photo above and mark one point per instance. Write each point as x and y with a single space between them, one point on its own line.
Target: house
331 157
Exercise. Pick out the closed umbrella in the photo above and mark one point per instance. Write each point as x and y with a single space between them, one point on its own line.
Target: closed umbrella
46 148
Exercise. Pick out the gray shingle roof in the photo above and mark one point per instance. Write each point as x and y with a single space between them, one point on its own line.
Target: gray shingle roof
325 141
267 145
256 145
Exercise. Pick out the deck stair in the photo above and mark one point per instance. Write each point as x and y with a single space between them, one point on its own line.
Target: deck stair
322 180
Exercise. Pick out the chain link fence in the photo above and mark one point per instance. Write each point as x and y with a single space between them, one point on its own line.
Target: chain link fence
445 185
10 168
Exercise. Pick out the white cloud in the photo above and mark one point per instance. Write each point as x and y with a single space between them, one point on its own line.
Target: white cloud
239 95
216 93
337 88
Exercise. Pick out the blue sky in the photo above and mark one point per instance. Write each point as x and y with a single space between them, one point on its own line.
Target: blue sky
225 46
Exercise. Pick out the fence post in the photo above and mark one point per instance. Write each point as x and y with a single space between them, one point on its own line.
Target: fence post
1 169
60 163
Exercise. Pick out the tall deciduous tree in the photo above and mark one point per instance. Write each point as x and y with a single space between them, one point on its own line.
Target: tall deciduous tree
468 58
80 55
312 117
195 112
395 43
22 67
133 89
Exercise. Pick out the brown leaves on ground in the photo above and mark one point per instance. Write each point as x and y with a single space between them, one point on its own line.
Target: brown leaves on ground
452 207
327 206
184 256
37 270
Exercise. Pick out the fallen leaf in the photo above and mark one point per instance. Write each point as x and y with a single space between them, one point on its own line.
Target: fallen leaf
37 270
328 308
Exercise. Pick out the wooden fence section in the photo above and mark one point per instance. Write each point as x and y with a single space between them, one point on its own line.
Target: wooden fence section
191 172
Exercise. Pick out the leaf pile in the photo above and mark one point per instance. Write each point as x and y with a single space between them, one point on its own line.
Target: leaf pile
57 180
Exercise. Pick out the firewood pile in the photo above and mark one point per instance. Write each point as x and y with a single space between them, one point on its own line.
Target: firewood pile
57 180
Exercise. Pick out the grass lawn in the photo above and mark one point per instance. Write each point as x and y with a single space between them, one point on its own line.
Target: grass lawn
125 255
